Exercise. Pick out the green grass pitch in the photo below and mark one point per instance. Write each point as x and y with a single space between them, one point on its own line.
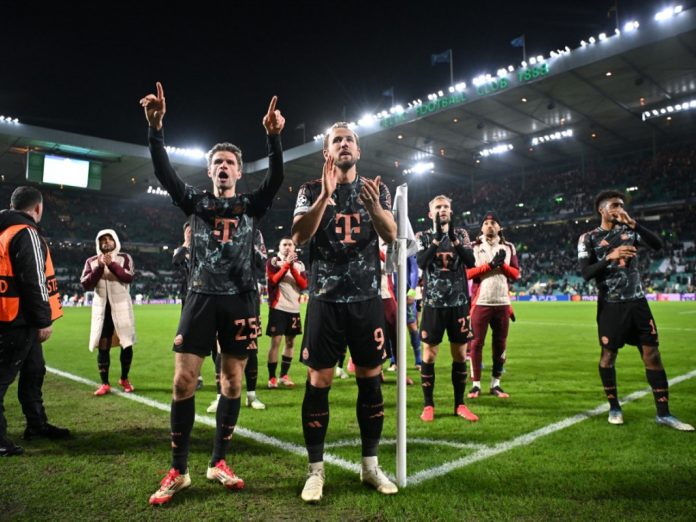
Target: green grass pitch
589 470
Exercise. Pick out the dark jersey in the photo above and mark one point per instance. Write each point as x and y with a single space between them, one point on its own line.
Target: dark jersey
344 252
619 280
444 269
222 229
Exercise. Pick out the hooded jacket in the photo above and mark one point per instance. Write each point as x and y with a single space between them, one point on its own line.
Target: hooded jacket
27 274
111 284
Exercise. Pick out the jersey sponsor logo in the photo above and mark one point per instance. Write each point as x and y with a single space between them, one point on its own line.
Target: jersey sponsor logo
445 258
225 229
305 354
605 340
345 226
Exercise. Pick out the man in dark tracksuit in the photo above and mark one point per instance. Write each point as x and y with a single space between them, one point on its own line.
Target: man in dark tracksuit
29 303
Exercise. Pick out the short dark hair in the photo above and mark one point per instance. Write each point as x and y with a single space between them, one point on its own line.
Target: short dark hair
227 147
25 198
606 194
285 238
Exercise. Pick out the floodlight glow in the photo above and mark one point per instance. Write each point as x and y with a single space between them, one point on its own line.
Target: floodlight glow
554 136
602 36
523 63
631 26
440 93
460 86
367 120
183 151
592 39
668 109
9 120
450 88
498 149
668 12
502 72
533 60
583 43
631 189
420 168
540 58
511 68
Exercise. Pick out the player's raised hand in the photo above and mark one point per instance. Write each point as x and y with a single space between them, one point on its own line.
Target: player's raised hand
622 217
328 177
273 121
369 193
155 107
622 252
439 231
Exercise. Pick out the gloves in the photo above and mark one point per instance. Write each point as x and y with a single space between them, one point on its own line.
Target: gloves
439 234
450 231
498 259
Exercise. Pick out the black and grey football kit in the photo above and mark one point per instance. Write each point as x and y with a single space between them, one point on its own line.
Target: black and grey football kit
222 260
446 291
345 307
623 314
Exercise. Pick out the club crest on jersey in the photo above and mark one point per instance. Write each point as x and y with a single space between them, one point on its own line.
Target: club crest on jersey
305 354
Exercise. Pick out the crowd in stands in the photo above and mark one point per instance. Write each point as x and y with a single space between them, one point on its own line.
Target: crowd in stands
543 213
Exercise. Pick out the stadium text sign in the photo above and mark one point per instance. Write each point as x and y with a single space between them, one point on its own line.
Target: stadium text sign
485 89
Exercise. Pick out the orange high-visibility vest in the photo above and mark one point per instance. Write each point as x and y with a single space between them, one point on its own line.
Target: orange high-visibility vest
9 294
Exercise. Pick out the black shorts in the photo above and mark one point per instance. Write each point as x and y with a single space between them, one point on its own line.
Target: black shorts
630 322
283 323
454 319
330 327
208 319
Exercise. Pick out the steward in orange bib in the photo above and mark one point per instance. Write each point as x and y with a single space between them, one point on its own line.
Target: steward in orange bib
29 303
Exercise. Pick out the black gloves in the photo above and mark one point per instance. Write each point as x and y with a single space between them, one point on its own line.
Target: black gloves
498 259
450 231
439 234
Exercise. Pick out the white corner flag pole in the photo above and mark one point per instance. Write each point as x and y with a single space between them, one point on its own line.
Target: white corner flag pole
402 237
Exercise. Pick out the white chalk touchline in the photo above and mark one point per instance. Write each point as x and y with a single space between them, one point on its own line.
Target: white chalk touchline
210 421
528 438
483 452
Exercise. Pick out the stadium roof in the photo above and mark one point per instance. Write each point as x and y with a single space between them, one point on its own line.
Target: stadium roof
619 92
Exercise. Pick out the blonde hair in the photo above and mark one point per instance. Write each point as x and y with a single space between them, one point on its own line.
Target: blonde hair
441 196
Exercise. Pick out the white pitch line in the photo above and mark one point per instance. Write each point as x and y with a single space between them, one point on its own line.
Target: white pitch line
528 438
483 452
390 442
210 421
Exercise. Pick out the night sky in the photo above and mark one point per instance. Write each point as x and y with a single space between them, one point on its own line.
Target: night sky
83 69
